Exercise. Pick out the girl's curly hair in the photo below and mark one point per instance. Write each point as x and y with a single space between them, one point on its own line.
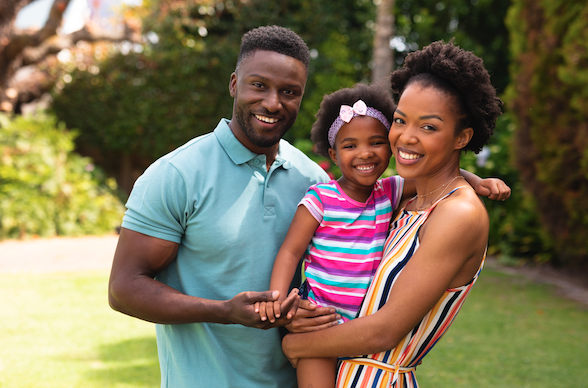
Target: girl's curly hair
374 96
460 74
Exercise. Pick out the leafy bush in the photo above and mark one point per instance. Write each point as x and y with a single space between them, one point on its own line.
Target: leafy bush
47 190
549 97
144 100
515 229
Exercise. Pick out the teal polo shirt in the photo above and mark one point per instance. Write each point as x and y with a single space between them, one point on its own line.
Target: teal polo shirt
230 215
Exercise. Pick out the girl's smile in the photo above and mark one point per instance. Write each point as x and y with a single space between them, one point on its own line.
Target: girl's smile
362 152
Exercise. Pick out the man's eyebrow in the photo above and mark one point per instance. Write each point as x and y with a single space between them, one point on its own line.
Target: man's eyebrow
265 79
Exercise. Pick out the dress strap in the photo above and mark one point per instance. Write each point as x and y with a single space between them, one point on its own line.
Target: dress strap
448 194
436 202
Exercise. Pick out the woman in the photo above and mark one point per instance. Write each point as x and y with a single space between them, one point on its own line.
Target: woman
437 243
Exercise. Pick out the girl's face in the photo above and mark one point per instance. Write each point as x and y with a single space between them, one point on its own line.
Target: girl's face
422 135
362 152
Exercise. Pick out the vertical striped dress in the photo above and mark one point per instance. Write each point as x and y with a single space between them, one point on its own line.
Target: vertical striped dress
396 367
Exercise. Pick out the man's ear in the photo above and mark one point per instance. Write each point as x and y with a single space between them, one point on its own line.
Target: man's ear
233 85
333 155
464 137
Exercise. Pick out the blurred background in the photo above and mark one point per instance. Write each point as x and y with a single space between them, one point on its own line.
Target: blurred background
108 86
93 91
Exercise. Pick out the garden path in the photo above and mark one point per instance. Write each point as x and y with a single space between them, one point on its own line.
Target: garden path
70 254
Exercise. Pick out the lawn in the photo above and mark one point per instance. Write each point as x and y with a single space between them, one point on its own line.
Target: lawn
56 330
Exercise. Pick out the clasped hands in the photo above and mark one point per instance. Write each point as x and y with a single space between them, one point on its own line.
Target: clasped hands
265 310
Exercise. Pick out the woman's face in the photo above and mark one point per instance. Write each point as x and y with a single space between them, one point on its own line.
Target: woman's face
422 136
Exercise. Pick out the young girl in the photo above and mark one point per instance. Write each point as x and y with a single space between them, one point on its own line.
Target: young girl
340 227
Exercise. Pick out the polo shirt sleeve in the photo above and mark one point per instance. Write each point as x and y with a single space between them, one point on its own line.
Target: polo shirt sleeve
393 187
313 203
157 205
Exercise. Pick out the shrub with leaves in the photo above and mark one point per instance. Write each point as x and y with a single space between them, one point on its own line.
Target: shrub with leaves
549 97
45 188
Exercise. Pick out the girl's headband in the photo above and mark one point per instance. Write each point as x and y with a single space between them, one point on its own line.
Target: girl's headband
346 113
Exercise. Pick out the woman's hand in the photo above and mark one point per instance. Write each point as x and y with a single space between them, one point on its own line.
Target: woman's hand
309 317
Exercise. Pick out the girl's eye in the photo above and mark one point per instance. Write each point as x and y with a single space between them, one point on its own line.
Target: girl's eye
258 84
429 128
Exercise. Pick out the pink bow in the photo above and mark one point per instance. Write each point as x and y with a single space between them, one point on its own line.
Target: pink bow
346 112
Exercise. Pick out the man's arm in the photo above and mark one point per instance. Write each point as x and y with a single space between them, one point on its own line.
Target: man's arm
133 290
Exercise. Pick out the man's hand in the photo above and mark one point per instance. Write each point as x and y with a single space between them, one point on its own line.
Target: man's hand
310 317
242 308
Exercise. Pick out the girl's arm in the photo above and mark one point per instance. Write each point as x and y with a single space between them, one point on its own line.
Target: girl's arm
451 248
493 188
297 239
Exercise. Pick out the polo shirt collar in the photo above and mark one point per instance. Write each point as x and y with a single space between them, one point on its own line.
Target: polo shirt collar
240 154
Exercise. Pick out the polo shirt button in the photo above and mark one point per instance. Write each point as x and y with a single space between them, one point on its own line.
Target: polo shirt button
255 161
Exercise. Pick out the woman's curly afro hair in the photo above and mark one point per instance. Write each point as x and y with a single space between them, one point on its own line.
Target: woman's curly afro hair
460 74
374 96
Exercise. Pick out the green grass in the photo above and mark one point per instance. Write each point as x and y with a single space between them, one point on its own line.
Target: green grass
56 330
511 333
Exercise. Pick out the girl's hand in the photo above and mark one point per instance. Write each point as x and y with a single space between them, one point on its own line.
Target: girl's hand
493 188
272 310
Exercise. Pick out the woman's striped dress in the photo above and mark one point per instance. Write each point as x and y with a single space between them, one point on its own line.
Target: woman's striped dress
395 368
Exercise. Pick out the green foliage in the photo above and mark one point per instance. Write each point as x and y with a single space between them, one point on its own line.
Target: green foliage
549 96
477 25
515 229
147 99
47 190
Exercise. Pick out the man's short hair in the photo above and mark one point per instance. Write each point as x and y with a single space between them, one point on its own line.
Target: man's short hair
274 38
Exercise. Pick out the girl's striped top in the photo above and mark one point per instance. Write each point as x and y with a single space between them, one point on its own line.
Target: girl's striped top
346 248
395 368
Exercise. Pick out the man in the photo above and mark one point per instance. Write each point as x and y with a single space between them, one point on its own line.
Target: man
204 224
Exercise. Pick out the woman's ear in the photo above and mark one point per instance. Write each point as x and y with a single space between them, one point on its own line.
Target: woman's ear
464 137
333 155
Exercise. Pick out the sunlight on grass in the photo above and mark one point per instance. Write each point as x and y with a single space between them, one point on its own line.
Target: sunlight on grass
56 330
511 333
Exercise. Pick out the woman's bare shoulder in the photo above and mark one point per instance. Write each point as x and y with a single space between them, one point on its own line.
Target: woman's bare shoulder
463 212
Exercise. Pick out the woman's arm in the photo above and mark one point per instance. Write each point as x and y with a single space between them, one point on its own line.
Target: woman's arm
297 239
451 248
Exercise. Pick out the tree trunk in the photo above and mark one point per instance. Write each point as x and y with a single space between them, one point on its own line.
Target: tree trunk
383 54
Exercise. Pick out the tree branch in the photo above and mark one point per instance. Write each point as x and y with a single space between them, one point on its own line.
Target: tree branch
57 43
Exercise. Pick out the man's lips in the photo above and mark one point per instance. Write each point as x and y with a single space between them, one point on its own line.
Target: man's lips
266 119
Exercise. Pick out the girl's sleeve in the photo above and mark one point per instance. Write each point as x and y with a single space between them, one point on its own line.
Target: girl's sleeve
393 187
313 203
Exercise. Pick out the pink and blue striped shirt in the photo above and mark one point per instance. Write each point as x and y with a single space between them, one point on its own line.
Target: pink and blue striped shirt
346 248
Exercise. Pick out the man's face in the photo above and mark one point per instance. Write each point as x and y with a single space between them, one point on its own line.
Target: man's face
268 89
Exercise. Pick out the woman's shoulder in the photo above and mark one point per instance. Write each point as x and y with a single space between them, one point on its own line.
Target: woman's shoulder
462 209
